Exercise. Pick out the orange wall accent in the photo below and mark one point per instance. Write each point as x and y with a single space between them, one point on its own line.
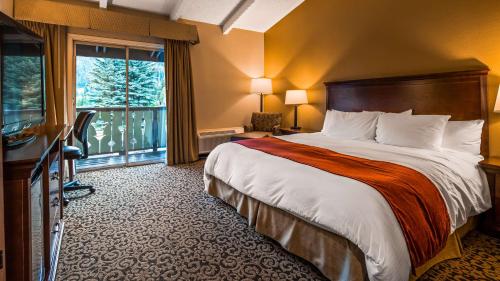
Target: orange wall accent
222 68
324 40
7 7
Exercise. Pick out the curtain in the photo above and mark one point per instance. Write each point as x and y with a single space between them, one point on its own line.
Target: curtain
55 66
182 138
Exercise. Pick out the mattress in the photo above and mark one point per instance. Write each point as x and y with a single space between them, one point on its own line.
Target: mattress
345 207
336 257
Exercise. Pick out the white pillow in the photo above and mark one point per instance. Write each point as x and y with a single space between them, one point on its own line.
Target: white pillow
419 131
350 125
464 136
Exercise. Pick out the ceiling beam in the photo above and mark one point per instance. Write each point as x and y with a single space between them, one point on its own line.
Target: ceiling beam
231 19
175 14
103 4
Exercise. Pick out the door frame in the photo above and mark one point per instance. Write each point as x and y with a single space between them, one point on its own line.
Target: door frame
72 40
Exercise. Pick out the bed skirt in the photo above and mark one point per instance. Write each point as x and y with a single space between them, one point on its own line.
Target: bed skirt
336 257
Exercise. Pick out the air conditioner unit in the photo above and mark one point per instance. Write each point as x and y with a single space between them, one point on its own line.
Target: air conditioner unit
208 139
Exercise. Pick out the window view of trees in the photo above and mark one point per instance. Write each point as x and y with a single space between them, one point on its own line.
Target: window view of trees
22 89
22 82
101 82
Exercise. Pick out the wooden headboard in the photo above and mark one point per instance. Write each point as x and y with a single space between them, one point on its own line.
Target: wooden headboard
461 94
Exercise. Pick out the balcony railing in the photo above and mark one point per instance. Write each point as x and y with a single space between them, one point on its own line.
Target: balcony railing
107 132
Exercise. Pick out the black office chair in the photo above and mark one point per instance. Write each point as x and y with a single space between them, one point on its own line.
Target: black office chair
72 153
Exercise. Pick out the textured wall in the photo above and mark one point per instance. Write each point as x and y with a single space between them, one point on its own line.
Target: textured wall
325 40
222 68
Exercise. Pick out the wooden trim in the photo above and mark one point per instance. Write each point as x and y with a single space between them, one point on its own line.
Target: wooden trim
85 14
409 78
461 94
113 35
115 42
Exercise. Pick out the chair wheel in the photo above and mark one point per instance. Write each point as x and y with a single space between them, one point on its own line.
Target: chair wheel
92 190
65 202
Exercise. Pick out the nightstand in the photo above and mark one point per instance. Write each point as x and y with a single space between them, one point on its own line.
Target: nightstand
289 131
491 221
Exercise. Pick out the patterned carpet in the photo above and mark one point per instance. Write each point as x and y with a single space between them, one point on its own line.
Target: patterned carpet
156 223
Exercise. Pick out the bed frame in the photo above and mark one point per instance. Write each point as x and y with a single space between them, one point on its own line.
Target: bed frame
461 94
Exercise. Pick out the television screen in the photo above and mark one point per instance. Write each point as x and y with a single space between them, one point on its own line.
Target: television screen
22 81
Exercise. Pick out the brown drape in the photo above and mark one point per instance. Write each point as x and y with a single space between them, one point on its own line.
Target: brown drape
55 65
182 139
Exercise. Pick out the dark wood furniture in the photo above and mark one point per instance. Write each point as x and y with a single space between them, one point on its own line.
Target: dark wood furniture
461 94
33 212
491 220
290 131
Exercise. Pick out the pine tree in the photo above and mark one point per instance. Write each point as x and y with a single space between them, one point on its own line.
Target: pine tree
106 83
25 71
144 89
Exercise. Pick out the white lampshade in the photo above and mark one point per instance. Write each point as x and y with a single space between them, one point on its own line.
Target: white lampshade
496 109
296 97
261 86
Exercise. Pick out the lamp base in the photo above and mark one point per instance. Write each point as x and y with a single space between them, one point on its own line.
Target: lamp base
295 128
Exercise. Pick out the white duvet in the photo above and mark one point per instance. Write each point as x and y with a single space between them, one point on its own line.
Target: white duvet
345 206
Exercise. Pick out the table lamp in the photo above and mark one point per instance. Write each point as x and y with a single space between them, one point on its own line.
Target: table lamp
261 86
496 109
296 98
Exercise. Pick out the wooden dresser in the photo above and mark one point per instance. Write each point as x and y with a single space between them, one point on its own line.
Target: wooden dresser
33 212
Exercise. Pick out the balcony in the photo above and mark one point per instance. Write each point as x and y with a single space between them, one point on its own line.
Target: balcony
108 140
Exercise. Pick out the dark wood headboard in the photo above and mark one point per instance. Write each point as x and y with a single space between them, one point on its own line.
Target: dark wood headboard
461 94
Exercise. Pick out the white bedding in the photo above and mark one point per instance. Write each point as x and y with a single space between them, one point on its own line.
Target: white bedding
345 206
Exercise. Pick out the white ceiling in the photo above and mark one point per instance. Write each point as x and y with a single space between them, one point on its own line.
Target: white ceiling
255 15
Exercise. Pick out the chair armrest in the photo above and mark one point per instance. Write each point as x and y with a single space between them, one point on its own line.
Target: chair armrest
276 130
248 128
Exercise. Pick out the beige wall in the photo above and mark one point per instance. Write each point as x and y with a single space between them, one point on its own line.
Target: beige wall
325 40
222 68
7 7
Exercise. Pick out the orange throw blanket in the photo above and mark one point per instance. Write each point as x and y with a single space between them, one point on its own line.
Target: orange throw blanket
415 201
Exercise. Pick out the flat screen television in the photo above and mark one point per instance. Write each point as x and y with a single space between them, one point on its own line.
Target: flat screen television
22 77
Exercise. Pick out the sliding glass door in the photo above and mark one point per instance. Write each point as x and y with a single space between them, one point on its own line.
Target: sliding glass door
126 87
146 101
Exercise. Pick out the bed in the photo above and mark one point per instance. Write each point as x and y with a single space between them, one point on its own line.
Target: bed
340 225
